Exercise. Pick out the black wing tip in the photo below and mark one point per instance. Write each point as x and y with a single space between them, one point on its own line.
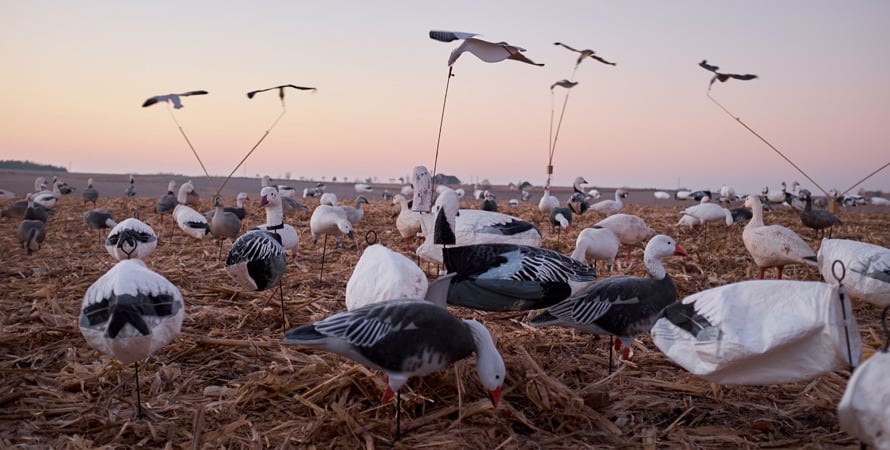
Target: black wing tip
251 94
149 102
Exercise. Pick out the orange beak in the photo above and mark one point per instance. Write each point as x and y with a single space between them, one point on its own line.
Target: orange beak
680 252
495 396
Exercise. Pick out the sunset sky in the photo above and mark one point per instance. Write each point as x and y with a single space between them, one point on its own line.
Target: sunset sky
75 74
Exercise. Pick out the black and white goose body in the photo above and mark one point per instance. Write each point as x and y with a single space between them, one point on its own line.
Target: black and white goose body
257 260
131 239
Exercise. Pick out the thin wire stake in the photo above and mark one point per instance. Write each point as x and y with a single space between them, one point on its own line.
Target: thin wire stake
187 141
138 394
283 111
867 177
767 143
441 121
841 294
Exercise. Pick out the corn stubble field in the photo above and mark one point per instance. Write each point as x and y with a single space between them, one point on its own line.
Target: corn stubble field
228 381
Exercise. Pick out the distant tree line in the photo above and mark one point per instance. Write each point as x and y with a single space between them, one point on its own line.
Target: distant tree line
28 165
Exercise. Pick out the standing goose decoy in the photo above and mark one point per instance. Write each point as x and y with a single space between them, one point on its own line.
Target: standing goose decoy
172 98
48 199
355 214
270 200
508 277
167 202
90 194
130 312
631 230
224 225
596 243
408 221
548 202
362 188
773 245
405 338
131 188
470 226
192 198
488 202
192 222
236 210
330 220
131 238
610 207
817 219
291 205
623 306
284 191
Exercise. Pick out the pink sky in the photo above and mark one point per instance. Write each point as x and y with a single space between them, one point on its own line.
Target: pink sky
76 73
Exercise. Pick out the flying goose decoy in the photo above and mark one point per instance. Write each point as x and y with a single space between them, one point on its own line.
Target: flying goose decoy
280 90
722 77
586 53
490 52
172 98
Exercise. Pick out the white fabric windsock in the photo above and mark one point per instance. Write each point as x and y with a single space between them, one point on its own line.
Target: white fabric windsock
867 276
760 332
864 410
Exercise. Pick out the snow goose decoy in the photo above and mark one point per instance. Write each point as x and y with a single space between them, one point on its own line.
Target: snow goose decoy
270 200
31 234
631 230
192 222
280 90
90 194
362 188
508 277
257 260
471 226
355 213
236 210
879 201
727 194
98 218
18 209
171 98
867 268
548 202
330 220
722 77
488 202
192 198
6 195
131 188
610 207
130 312
773 245
661 195
817 219
586 53
405 338
489 52
596 243
48 199
34 211
167 202
408 221
623 306
131 238
224 225
328 198
707 212
382 275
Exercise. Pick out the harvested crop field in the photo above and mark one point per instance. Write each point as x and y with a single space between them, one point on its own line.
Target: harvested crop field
228 381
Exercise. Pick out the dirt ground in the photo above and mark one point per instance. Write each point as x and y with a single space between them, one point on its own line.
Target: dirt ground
228 382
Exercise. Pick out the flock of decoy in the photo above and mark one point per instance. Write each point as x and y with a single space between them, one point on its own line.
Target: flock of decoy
396 320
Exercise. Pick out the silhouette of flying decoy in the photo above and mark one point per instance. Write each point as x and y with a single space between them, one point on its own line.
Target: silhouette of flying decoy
564 83
722 77
280 90
172 98
586 53
448 36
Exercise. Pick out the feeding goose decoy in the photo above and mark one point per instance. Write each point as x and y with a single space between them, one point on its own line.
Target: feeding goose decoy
623 306
131 188
355 214
596 243
31 234
97 219
488 202
130 312
382 274
405 338
630 229
172 98
130 239
34 211
90 194
257 260
17 210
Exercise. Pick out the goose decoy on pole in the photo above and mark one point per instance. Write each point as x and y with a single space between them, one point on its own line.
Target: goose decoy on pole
280 90
722 77
586 53
172 98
